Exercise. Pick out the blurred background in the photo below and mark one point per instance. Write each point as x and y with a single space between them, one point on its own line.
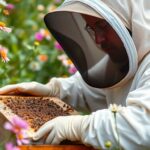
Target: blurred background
28 51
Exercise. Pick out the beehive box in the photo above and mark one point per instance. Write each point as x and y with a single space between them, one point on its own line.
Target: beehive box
56 147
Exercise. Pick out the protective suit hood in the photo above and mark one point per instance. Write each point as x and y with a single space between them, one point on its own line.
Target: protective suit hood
67 26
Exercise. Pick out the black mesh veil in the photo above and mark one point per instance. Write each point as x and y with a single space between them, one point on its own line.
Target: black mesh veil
95 66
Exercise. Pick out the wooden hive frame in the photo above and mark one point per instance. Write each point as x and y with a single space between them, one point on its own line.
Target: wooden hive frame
8 114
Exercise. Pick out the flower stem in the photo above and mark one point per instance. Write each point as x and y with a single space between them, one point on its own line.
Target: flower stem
115 116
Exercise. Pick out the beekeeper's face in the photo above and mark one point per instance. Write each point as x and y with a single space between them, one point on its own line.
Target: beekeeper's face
106 37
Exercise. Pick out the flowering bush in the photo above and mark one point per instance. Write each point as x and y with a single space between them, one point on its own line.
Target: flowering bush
27 46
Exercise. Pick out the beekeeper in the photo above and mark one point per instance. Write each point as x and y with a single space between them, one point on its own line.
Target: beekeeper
108 41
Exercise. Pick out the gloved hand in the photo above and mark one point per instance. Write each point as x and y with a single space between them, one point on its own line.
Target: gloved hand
33 88
62 128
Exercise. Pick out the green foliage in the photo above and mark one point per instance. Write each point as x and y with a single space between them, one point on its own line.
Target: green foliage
26 19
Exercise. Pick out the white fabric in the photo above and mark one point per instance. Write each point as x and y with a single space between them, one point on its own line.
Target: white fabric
82 95
136 16
133 120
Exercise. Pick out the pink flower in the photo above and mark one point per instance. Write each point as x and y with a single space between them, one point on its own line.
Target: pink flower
10 6
72 70
19 127
42 34
39 36
46 34
22 138
10 146
58 46
4 28
16 125
58 1
67 63
62 57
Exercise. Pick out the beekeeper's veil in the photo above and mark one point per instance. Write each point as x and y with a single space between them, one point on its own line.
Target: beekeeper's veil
68 27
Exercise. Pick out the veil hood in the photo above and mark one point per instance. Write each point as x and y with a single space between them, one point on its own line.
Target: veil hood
136 16
67 26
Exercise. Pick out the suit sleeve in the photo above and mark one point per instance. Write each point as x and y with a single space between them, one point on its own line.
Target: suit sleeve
76 92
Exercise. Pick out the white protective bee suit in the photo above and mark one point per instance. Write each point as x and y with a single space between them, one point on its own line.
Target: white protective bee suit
85 93
132 92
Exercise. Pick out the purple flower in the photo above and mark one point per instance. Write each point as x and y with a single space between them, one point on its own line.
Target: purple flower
22 138
16 125
4 28
58 1
39 36
72 70
10 146
19 127
58 46
10 6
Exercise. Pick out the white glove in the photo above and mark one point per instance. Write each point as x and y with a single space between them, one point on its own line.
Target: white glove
62 128
33 88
